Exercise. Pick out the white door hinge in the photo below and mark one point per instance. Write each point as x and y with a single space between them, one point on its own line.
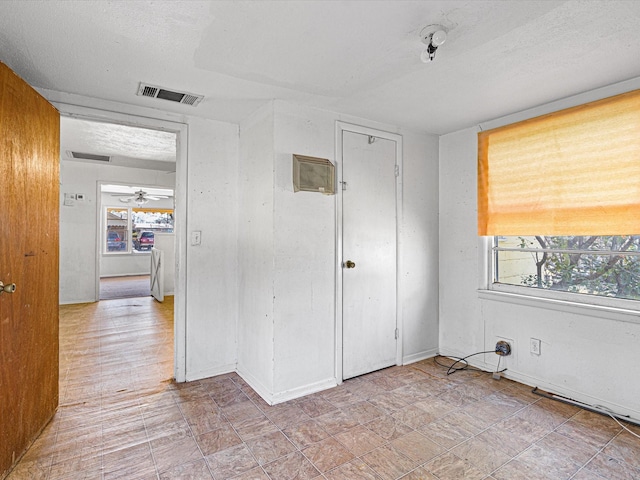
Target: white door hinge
344 185
397 170
397 333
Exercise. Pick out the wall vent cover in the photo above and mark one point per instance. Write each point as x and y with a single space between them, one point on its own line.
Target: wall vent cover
89 156
146 90
313 174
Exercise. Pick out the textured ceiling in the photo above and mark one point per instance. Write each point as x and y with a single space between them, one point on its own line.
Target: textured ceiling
355 57
126 145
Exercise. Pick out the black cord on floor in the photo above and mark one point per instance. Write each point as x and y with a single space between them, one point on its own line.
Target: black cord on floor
453 369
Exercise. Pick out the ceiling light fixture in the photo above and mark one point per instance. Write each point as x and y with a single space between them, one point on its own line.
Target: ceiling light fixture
433 36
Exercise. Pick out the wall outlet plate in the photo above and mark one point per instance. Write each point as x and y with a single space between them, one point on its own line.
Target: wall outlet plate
534 346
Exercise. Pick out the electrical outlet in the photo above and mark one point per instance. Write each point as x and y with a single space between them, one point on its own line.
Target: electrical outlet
534 346
506 361
503 348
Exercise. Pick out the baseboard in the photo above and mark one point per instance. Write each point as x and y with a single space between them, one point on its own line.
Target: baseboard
114 275
304 390
474 361
280 397
76 302
212 372
416 357
581 397
256 385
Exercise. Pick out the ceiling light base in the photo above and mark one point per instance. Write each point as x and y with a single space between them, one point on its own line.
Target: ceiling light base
427 32
433 36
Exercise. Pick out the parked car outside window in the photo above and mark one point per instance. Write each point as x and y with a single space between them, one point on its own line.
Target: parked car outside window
114 242
144 241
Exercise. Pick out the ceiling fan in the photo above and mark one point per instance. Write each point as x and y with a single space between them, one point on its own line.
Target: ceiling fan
140 197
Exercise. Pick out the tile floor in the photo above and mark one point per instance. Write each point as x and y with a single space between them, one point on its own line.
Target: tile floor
121 416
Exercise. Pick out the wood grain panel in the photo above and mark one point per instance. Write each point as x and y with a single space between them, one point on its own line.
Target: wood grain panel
29 218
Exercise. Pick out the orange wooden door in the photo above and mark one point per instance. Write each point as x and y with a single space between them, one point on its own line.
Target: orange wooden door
29 212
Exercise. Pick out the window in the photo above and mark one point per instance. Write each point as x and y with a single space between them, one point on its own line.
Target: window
117 232
601 266
572 172
132 230
559 195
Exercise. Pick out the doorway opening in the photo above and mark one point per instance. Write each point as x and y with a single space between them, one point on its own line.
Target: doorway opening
137 229
82 227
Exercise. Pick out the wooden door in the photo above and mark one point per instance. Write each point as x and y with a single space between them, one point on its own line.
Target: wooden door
369 339
29 207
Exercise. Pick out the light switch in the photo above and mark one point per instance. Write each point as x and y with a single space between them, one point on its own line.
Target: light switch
69 199
196 237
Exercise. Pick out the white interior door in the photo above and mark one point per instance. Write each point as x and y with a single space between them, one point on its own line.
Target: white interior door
368 254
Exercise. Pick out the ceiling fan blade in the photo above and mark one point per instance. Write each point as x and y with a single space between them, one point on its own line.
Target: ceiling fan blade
125 199
155 197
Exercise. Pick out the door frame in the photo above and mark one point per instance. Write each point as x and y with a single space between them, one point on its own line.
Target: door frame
342 127
180 227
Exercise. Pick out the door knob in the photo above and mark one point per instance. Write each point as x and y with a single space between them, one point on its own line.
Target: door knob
350 264
10 288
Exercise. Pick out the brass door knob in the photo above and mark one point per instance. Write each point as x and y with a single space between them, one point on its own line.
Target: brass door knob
350 264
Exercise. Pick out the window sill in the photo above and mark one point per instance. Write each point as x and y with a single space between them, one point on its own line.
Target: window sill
579 308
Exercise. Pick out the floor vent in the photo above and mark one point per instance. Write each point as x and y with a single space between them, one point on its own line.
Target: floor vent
145 90
89 156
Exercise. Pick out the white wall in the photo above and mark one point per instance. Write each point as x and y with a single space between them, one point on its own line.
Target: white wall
288 256
255 251
212 278
587 357
79 226
419 247
304 258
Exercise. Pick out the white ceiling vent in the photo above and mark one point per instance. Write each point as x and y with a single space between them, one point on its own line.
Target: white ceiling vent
88 156
145 90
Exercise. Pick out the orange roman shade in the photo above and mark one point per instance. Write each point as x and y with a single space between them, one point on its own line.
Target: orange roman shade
571 172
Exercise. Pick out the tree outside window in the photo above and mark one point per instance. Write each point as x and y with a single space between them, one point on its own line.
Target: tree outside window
594 265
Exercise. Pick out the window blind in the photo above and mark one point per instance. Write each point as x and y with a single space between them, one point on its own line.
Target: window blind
571 172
